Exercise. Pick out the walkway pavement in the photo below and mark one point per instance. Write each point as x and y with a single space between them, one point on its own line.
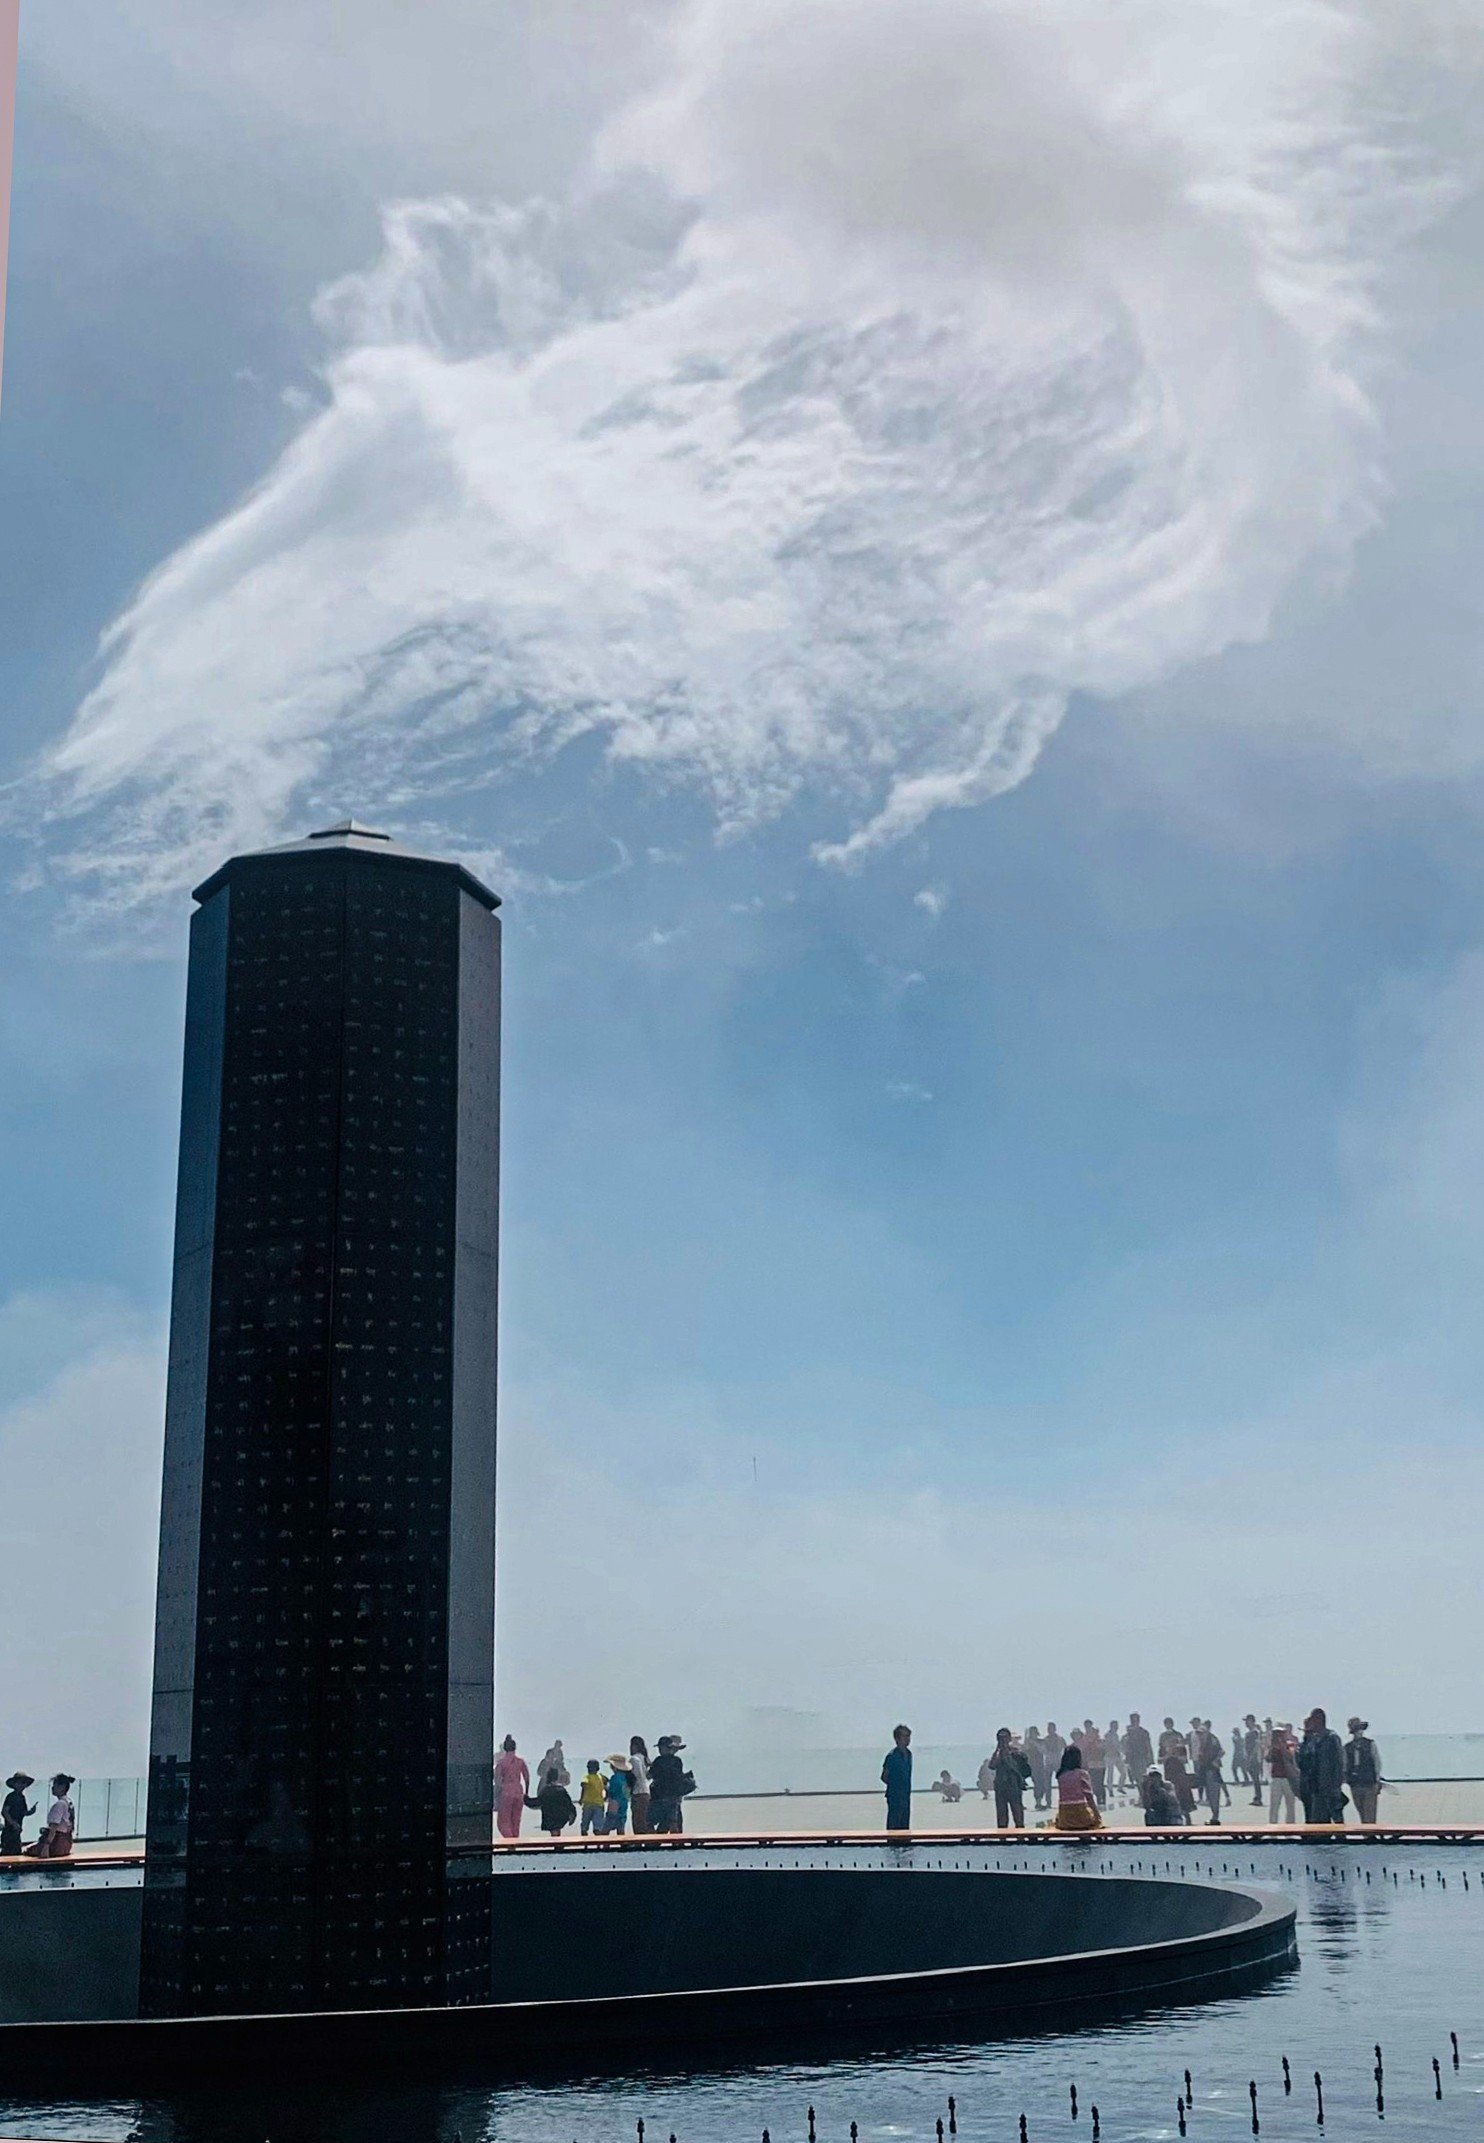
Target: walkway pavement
1454 1801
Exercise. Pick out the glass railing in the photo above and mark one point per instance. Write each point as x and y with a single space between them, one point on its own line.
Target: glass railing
106 1808
1435 1779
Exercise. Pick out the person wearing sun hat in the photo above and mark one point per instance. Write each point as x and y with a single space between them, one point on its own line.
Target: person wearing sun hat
13 1812
620 1791
1362 1770
669 1783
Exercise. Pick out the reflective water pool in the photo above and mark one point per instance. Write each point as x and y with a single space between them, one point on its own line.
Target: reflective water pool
1391 1943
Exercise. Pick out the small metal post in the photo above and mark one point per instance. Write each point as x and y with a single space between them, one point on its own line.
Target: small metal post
1287 2077
811 2125
1319 2095
1453 2035
1189 2094
952 2114
1252 2094
1097 2127
1437 2078
1022 2129
1180 2114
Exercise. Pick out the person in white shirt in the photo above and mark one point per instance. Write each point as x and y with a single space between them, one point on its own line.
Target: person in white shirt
55 1842
639 1796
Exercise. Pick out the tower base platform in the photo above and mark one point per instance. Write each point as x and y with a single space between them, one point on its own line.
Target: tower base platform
626 1960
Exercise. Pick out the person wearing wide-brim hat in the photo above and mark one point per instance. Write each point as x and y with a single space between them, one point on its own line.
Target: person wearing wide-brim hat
669 1783
620 1792
1362 1769
13 1812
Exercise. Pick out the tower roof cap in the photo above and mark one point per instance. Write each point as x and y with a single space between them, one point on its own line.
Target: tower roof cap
345 829
348 836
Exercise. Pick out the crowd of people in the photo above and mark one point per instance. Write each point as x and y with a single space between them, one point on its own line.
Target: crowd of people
640 1792
1076 1776
1311 1776
57 1832
636 1792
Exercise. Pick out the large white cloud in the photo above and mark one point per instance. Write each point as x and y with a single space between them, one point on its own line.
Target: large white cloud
895 374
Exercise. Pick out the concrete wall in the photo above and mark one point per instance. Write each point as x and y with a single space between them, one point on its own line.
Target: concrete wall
67 1954
585 1933
652 1931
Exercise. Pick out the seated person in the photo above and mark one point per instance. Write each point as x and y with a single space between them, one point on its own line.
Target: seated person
1076 1803
1157 1797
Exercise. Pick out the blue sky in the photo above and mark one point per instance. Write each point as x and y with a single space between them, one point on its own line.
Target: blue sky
992 868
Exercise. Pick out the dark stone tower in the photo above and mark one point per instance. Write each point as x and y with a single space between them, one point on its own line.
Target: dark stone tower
324 1653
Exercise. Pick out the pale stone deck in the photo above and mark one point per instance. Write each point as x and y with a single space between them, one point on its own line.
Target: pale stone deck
1458 1801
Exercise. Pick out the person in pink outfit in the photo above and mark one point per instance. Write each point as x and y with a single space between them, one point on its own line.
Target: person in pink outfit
1076 1804
512 1785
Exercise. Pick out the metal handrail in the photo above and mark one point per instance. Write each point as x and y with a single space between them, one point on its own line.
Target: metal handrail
87 1793
694 1841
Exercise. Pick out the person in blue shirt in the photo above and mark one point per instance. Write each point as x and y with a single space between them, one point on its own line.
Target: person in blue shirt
620 1787
896 1777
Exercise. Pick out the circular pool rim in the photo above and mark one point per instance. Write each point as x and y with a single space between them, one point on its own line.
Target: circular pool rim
1254 1939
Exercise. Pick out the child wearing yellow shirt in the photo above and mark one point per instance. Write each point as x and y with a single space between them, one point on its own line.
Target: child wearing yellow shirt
592 1798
